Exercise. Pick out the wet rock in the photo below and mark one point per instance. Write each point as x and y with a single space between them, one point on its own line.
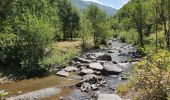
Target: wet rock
104 57
98 54
111 69
83 65
94 87
97 72
95 94
108 97
101 82
90 56
85 87
82 60
111 51
114 62
63 73
89 78
100 61
86 71
70 69
96 66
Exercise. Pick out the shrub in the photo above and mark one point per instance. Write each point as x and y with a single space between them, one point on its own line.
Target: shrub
152 76
7 44
130 37
59 57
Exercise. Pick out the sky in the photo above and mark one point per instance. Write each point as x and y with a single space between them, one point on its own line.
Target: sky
112 3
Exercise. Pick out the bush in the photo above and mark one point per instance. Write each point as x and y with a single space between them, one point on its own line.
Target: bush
152 76
34 38
152 39
130 37
59 57
7 44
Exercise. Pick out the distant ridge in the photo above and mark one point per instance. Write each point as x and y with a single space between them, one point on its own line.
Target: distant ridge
84 4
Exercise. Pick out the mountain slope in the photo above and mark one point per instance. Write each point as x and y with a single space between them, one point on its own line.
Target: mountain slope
84 4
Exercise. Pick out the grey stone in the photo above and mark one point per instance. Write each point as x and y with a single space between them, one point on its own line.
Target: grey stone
104 57
82 60
111 69
85 87
63 73
86 71
70 69
96 66
94 87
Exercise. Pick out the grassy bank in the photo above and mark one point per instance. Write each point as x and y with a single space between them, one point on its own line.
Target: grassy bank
61 53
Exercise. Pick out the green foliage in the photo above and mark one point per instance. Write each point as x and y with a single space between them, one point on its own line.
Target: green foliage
98 18
152 76
130 37
7 44
70 18
59 57
34 24
85 32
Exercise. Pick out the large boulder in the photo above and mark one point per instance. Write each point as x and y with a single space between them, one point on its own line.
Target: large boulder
104 57
82 60
108 97
63 73
96 66
111 69
70 69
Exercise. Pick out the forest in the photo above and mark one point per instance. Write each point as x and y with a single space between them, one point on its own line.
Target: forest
31 31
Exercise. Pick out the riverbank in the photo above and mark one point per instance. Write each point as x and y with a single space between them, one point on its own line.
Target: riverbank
95 72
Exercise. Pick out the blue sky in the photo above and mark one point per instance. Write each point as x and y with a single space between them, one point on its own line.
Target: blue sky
112 3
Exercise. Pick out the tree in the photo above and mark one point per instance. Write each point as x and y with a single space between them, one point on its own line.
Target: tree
74 22
85 31
32 25
96 16
138 14
164 18
64 12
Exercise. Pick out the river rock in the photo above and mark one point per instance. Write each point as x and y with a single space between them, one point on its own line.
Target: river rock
104 57
70 69
63 73
108 97
94 87
82 60
96 66
86 71
89 78
111 69
85 87
111 51
90 56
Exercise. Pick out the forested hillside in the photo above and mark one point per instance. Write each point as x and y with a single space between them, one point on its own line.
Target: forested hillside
43 40
84 4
